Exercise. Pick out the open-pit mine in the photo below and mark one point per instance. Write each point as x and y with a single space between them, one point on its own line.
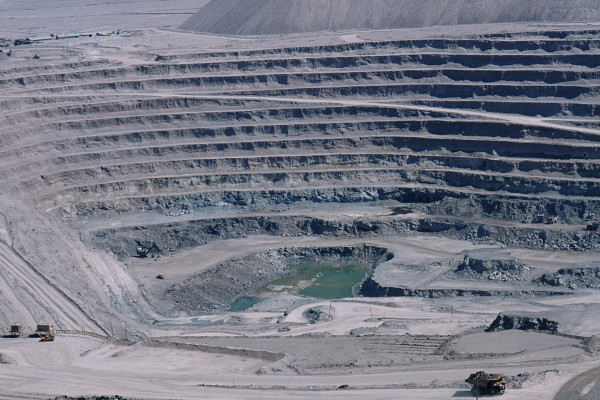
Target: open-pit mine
356 214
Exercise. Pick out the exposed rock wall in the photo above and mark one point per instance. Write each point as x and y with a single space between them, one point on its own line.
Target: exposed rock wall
324 132
370 288
169 237
523 322
492 265
586 275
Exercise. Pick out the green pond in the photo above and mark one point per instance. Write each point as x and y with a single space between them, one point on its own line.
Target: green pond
243 303
320 280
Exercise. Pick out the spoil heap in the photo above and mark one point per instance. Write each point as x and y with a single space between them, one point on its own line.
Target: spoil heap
261 17
492 266
585 275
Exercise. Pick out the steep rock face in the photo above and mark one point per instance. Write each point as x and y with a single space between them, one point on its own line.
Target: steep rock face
522 322
492 265
255 17
580 275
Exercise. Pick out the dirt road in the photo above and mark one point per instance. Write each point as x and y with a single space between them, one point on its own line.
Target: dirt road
585 386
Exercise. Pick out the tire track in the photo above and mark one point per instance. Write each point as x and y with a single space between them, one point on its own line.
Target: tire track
51 299
585 386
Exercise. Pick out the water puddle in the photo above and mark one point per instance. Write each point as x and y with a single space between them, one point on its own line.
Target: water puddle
243 303
327 281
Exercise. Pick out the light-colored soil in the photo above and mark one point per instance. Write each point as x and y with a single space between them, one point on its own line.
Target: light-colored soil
104 143
67 16
217 366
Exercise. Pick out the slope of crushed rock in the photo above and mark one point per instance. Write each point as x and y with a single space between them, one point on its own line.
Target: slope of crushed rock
523 322
492 265
583 275
260 17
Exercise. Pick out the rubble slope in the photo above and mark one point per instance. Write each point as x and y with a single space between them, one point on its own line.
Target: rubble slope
259 17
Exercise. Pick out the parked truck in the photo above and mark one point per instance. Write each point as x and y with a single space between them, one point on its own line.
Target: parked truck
484 383
16 330
45 330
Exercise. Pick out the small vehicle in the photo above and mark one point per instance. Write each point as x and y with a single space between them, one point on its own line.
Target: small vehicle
47 338
593 226
45 330
142 252
16 330
484 383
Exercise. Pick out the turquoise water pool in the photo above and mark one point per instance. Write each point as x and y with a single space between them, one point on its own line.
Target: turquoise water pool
328 281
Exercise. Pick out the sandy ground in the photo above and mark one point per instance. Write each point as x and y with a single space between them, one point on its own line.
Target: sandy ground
401 347
218 367
34 17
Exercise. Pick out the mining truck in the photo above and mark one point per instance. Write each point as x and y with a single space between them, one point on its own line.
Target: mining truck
484 383
45 330
16 330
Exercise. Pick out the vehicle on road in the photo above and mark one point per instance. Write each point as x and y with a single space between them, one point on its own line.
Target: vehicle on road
484 383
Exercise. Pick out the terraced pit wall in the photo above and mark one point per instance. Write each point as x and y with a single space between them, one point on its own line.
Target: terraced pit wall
477 136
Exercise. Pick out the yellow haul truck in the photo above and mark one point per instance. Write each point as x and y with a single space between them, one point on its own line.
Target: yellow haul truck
484 383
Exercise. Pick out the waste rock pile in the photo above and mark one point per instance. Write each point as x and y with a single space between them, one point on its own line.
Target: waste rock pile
584 275
493 266
522 322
